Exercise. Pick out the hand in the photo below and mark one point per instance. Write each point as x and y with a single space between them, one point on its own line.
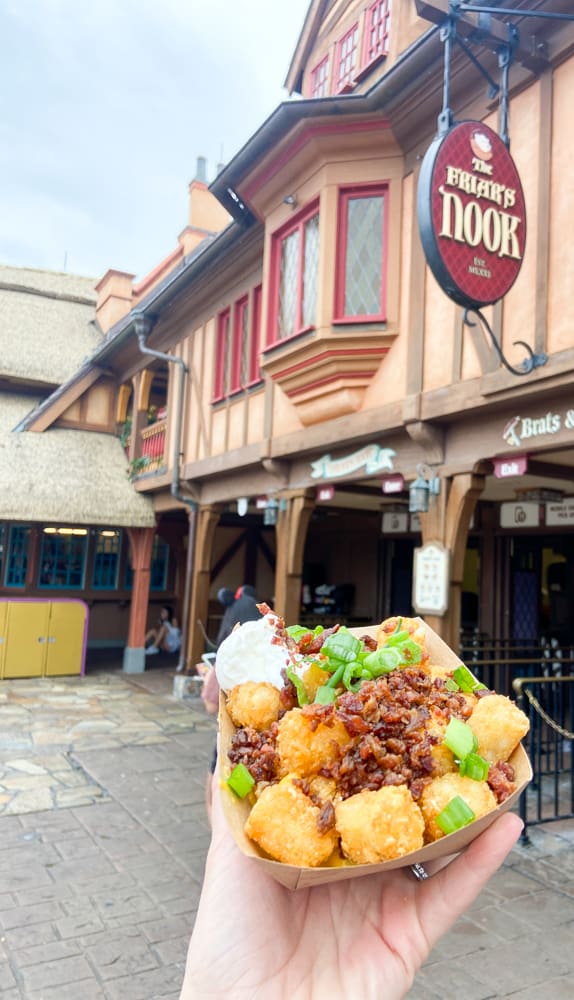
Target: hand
363 937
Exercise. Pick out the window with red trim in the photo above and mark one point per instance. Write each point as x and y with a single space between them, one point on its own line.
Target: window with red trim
222 355
347 58
378 17
360 285
254 370
294 270
239 354
320 78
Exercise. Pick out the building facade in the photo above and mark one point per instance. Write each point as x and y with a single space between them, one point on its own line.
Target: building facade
302 366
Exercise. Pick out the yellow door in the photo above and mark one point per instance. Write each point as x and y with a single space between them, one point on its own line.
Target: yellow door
26 638
3 623
65 647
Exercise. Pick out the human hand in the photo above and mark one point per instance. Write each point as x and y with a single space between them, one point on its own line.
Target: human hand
362 937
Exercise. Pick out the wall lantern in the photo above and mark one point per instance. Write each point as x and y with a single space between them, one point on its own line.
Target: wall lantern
421 489
270 512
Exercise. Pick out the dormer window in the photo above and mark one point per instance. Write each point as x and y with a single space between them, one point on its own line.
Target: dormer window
320 79
378 16
347 59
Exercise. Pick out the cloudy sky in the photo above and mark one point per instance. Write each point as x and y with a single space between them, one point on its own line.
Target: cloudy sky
105 106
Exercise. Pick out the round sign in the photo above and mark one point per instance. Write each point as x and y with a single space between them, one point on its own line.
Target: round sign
471 213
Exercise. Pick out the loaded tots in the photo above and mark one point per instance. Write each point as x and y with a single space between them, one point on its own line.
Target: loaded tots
359 750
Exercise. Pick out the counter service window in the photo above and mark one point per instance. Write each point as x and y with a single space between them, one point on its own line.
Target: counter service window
17 556
360 289
106 560
63 558
295 265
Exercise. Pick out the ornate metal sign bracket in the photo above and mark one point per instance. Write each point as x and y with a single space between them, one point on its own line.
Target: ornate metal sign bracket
532 360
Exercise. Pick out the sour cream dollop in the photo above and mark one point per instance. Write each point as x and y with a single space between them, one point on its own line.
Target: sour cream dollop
250 654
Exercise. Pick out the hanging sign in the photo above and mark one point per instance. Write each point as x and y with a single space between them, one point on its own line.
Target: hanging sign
394 522
393 484
431 579
471 213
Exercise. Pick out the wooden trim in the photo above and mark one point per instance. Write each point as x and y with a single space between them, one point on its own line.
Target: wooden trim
50 414
543 212
416 298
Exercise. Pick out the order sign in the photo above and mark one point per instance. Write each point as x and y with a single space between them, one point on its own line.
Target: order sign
471 214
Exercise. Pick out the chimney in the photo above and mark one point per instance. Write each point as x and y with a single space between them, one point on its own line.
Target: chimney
115 294
206 214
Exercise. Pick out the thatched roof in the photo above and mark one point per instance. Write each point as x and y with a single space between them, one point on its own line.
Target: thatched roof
47 324
65 476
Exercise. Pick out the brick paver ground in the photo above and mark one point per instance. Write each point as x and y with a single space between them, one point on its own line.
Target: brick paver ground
103 836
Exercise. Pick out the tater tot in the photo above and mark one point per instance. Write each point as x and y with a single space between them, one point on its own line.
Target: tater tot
283 822
416 630
312 679
304 751
379 825
437 795
499 725
254 704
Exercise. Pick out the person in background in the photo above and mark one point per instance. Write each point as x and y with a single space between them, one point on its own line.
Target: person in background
167 635
226 598
244 608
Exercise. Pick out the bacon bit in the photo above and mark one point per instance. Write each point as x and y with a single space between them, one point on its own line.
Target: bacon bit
326 817
501 780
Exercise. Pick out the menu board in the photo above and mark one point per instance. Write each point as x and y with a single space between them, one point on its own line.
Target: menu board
431 579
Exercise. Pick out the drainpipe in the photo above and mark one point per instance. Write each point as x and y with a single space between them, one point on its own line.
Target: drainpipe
143 325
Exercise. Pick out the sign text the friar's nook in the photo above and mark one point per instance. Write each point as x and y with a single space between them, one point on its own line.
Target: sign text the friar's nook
471 213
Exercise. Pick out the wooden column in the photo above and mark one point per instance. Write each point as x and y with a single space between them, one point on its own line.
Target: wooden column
447 522
291 529
207 519
141 542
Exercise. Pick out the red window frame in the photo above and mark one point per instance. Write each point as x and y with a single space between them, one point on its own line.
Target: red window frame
254 370
320 78
377 22
240 315
276 244
347 194
222 346
343 81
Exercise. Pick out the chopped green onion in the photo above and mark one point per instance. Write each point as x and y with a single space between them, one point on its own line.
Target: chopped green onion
455 815
460 738
325 695
397 637
410 651
240 781
336 677
466 680
474 766
299 686
341 646
298 631
383 660
451 685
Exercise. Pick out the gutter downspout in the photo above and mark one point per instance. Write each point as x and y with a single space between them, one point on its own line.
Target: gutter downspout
143 325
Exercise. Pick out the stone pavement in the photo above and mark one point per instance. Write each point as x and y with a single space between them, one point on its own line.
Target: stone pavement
103 836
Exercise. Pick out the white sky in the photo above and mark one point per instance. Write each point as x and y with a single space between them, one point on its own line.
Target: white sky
105 106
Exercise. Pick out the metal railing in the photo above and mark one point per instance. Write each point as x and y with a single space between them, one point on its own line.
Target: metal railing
549 704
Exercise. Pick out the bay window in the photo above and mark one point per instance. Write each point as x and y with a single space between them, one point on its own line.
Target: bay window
360 287
295 267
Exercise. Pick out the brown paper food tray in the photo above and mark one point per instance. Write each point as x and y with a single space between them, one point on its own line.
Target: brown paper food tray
237 810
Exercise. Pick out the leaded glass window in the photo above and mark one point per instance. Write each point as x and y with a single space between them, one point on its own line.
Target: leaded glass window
298 267
364 256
